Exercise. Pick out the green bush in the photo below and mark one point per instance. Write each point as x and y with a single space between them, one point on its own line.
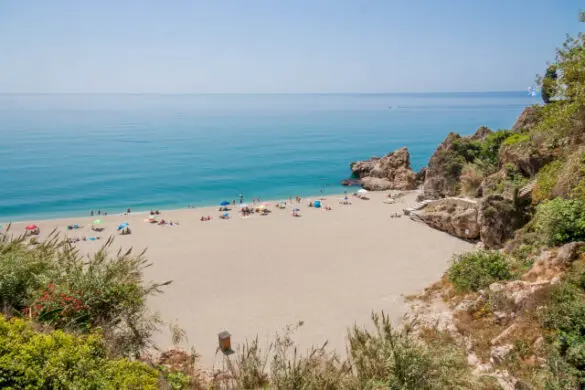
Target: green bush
546 180
34 360
490 147
475 270
516 138
52 283
558 221
564 316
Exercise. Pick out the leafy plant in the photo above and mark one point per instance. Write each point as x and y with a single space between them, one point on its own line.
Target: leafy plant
516 138
52 283
475 270
30 359
559 221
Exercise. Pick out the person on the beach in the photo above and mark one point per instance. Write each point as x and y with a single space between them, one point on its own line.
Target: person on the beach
91 213
99 212
129 211
234 203
106 213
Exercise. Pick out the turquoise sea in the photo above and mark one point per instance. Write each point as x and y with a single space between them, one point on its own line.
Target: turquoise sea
63 155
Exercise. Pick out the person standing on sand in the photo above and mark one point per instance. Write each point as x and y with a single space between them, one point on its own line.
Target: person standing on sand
91 213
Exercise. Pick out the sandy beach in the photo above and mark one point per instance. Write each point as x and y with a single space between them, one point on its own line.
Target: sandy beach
256 275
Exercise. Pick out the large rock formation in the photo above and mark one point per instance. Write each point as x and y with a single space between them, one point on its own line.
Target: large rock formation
391 172
527 119
444 168
455 216
498 218
493 219
527 157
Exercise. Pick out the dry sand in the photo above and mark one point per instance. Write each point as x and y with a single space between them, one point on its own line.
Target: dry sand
254 276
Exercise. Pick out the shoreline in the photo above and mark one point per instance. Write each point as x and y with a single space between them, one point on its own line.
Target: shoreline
254 276
6 222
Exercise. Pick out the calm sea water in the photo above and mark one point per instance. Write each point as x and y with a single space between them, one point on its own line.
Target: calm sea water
63 155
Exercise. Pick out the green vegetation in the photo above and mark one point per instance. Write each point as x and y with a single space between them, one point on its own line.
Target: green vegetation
549 86
383 358
476 270
564 316
34 360
558 221
516 138
52 284
546 180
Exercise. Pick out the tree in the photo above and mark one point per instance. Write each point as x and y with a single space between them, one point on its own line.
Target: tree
549 84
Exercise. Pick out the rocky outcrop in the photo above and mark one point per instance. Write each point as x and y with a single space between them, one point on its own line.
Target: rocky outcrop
384 173
526 157
455 216
442 177
551 262
527 119
438 178
498 218
481 134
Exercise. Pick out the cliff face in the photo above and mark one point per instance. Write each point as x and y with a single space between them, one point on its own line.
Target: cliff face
391 172
443 173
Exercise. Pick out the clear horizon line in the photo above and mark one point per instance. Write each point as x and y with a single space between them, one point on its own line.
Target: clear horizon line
262 93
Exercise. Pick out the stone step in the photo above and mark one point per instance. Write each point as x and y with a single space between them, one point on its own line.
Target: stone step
527 189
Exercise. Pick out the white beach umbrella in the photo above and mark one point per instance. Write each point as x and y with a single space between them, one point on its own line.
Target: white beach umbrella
362 191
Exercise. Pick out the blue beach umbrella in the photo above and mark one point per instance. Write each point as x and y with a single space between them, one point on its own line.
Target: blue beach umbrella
123 225
224 203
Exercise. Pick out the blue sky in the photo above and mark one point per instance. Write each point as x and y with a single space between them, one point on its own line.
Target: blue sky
288 46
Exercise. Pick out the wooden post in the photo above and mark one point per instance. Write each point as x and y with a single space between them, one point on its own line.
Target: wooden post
225 344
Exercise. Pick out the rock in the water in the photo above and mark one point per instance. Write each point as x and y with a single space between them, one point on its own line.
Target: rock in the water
389 172
457 217
498 218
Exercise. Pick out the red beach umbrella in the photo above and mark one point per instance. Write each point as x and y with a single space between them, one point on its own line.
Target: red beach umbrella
31 227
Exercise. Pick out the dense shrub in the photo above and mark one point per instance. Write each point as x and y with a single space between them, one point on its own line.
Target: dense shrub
564 316
545 181
475 270
490 147
33 360
393 359
52 283
516 138
558 221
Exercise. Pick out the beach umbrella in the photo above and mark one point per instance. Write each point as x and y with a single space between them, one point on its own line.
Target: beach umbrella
243 205
123 225
98 222
362 191
261 207
31 227
224 203
296 209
